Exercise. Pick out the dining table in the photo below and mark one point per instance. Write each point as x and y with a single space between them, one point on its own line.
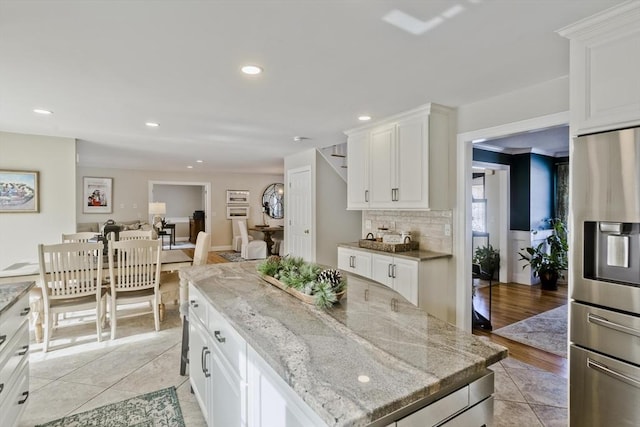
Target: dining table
29 270
267 232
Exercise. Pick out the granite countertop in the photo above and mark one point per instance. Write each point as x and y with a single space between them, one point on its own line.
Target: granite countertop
419 255
407 354
11 292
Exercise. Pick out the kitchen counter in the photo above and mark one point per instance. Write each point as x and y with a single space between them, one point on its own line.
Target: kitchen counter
419 255
408 355
10 293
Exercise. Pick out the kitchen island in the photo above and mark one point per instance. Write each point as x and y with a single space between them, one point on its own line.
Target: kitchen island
371 359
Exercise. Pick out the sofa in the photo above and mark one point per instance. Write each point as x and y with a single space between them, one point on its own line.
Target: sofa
97 227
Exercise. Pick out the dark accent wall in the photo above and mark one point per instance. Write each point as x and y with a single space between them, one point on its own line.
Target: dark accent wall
532 186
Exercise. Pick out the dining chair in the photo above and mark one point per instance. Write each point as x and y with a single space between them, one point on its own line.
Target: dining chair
71 280
81 237
170 288
255 249
237 237
136 234
134 271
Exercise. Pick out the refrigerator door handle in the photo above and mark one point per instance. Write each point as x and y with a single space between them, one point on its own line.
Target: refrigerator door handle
610 372
601 321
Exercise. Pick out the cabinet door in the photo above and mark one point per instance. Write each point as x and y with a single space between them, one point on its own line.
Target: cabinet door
345 260
412 164
228 394
381 266
405 280
200 365
382 178
358 171
362 263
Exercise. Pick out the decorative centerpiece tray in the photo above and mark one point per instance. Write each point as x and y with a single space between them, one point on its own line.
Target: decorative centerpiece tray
389 247
309 299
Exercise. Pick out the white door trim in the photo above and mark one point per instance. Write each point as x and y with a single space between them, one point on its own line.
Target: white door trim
287 213
462 213
207 196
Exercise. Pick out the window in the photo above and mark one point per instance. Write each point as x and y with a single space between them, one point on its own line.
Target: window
478 204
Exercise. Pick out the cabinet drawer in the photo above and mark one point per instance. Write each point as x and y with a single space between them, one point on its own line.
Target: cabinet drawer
230 344
197 304
15 353
11 320
438 411
13 404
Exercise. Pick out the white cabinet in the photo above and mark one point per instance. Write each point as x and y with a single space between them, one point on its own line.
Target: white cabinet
604 78
400 274
273 402
358 171
354 261
394 163
14 361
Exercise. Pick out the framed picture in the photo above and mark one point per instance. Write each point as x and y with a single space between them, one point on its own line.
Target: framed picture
18 191
97 195
237 197
237 212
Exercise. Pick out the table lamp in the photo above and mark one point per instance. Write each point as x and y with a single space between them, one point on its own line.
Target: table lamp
157 209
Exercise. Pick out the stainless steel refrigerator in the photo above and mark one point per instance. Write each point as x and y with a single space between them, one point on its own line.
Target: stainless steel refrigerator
604 325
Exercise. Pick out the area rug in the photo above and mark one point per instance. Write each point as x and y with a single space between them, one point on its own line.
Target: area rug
232 256
156 409
177 245
546 331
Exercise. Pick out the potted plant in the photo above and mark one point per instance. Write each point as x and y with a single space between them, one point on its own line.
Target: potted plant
549 259
489 260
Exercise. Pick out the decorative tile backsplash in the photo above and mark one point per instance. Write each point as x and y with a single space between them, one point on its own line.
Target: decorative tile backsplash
428 227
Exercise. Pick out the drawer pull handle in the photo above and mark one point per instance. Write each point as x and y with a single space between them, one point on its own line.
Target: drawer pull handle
205 370
194 304
24 350
366 294
25 311
3 338
610 372
219 336
26 396
601 321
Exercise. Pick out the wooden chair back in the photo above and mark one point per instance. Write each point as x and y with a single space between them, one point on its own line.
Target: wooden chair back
81 237
134 264
136 234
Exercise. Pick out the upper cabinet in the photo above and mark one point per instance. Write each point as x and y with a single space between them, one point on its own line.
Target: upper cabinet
604 77
402 162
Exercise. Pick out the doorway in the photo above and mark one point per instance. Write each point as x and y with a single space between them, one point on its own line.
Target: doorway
299 207
182 199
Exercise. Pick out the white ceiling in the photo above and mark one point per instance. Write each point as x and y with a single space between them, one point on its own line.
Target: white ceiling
551 142
106 67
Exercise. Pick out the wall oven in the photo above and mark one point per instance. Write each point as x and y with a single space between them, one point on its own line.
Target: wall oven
604 331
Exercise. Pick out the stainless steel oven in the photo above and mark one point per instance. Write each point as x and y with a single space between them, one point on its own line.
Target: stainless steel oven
604 355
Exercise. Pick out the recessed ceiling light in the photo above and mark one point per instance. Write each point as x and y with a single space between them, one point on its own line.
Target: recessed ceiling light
364 118
189 167
199 161
41 111
300 138
152 124
251 69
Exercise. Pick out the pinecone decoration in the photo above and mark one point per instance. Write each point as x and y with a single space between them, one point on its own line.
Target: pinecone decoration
331 277
274 258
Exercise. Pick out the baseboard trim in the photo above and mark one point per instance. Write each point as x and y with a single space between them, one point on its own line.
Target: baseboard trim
221 248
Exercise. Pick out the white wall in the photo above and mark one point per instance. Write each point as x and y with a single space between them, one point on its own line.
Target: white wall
54 159
131 197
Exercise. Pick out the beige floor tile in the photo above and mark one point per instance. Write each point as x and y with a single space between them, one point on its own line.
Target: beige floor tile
190 409
551 416
539 387
58 363
105 398
36 383
506 389
161 372
511 363
514 414
55 400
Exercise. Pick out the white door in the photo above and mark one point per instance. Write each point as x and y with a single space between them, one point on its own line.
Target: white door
358 171
299 212
382 163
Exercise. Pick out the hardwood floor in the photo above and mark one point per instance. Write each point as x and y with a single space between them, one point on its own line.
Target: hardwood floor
511 303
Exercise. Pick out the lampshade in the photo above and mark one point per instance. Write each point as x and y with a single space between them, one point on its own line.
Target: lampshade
157 208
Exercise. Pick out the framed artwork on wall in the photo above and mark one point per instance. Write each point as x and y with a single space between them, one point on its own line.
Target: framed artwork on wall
237 212
237 197
18 191
97 195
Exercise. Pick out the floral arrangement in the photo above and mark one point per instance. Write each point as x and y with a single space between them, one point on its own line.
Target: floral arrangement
324 285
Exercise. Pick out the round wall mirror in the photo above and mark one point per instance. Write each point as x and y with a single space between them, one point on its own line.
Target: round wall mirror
273 201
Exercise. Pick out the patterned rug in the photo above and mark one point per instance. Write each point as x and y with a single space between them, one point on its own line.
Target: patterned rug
546 331
232 256
156 409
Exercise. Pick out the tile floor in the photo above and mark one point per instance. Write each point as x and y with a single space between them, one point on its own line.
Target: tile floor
78 374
